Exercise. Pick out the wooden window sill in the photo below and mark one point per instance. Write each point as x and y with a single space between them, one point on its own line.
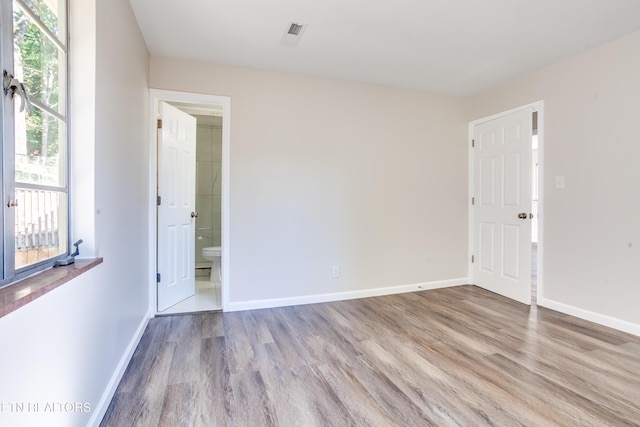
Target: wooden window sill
21 293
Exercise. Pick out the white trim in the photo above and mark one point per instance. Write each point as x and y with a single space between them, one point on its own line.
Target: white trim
601 319
158 95
540 245
102 406
537 106
534 106
342 296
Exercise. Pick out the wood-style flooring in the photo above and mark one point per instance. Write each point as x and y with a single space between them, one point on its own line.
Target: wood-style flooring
459 356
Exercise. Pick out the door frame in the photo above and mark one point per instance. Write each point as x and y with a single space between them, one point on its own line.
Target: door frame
224 102
538 107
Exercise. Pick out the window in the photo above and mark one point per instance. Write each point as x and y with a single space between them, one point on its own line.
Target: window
33 38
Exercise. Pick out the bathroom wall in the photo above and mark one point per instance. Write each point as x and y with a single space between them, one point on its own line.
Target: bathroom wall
208 188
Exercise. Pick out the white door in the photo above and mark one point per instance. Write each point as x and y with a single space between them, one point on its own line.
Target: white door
176 211
502 205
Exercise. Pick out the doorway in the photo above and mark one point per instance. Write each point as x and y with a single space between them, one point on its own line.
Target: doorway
206 295
503 179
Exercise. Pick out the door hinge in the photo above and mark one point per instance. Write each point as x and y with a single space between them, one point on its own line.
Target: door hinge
473 143
157 277
159 123
159 200
473 258
473 201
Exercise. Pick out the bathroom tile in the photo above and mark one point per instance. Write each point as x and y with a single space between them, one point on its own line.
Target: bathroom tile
204 178
205 299
216 144
204 149
216 206
216 171
204 205
216 238
206 234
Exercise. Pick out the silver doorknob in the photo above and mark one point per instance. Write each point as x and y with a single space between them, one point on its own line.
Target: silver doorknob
194 214
522 215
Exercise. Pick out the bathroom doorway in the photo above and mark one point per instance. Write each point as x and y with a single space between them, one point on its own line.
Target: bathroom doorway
210 210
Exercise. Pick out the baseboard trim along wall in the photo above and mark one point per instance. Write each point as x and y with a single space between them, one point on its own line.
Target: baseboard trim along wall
105 400
341 296
601 319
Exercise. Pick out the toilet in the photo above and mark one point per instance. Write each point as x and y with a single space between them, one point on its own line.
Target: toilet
213 254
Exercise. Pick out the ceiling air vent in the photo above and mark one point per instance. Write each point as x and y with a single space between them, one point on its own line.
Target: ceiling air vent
295 29
293 34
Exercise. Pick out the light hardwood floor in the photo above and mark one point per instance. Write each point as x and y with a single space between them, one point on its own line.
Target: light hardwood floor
460 356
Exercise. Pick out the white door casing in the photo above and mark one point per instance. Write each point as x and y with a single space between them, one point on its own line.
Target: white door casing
176 189
502 193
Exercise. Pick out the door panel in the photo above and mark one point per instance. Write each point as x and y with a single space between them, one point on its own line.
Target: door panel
487 247
511 188
487 181
511 252
502 240
176 187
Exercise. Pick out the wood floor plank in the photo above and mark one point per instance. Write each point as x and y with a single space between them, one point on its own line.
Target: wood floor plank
362 409
185 364
240 356
214 391
427 386
251 404
303 398
178 406
567 406
153 338
459 356
257 331
143 405
210 326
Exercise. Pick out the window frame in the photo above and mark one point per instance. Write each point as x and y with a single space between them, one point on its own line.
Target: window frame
8 273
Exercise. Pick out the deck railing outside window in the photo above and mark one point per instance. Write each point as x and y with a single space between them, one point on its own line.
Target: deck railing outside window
36 219
37 215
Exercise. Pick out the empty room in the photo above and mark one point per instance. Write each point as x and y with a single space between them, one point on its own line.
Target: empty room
320 213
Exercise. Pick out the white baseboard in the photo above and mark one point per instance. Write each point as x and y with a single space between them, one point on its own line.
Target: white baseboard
601 319
340 296
105 400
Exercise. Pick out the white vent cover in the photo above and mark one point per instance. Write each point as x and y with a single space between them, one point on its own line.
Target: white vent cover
293 33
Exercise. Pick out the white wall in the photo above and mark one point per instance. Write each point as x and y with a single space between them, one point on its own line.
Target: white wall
592 228
325 172
71 344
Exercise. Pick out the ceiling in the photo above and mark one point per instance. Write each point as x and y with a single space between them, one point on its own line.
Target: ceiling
455 47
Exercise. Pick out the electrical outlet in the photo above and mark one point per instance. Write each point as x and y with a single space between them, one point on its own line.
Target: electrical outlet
335 271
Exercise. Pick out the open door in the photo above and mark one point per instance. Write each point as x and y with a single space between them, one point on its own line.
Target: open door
176 206
502 205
